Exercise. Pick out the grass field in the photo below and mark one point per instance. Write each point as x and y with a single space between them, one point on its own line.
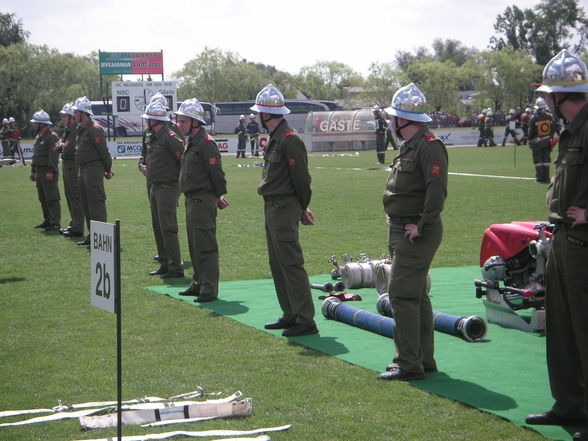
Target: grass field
55 345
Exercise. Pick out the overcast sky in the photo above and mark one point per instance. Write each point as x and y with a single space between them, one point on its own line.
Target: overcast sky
286 34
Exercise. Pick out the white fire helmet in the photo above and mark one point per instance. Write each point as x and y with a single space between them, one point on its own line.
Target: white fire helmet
494 269
155 110
192 109
67 109
270 100
540 103
376 109
41 117
83 104
241 117
5 121
528 110
564 73
159 98
409 103
11 120
252 116
488 111
511 111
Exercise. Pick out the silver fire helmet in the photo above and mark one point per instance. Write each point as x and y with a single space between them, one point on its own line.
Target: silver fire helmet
564 73
270 100
409 103
192 109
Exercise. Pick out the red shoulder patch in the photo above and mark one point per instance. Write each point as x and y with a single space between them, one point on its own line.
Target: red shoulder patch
97 139
94 125
289 133
435 170
208 138
212 160
171 133
292 161
178 154
431 138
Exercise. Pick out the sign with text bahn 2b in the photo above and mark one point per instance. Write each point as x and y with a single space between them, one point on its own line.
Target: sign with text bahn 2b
103 266
115 63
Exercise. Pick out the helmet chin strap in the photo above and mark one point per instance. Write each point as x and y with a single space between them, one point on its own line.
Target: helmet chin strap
271 116
399 127
557 104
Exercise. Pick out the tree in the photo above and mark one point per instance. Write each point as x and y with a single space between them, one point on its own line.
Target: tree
381 84
452 50
544 31
217 76
438 81
504 77
11 30
327 80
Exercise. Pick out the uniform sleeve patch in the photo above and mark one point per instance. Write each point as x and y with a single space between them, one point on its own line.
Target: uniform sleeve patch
178 154
435 168
97 140
292 161
288 133
212 160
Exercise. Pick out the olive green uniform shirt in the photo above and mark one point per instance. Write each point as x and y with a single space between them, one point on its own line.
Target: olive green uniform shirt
45 153
68 139
201 169
91 145
417 184
570 183
285 171
164 153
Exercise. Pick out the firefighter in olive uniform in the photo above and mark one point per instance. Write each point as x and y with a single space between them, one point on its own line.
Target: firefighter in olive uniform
4 137
45 171
241 132
285 187
202 180
541 132
413 200
564 88
381 126
95 162
488 129
142 164
164 149
71 184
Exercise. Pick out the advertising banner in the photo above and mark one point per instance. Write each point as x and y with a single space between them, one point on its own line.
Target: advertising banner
117 63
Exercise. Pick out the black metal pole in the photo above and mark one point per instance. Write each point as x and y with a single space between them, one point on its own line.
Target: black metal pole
118 328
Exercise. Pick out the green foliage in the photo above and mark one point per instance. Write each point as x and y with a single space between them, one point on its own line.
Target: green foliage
504 77
543 31
54 345
11 30
215 76
327 80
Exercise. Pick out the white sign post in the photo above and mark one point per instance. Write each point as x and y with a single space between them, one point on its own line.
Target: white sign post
105 286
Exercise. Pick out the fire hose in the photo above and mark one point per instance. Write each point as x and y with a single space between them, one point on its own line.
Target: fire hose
328 287
472 328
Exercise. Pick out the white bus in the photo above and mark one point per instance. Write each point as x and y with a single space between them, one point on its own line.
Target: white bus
227 113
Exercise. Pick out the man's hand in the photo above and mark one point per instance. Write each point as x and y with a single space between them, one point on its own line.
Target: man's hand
108 174
578 214
411 232
307 217
222 203
49 176
33 176
143 169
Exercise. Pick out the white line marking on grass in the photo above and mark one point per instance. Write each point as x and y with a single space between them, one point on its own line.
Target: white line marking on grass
492 176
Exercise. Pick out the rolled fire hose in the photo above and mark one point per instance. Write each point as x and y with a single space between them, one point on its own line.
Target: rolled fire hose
472 328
